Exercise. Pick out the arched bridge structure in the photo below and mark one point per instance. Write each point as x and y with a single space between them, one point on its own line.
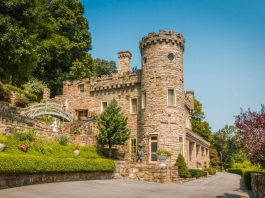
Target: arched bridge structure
49 108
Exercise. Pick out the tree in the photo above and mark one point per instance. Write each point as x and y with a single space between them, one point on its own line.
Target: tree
112 126
104 67
214 158
35 86
198 125
252 131
17 47
182 167
226 141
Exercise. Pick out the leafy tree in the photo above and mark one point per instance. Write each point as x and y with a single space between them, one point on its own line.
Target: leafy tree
182 167
104 67
214 158
226 141
112 126
252 131
200 126
17 47
35 86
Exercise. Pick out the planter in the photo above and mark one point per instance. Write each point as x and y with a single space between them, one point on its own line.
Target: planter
76 152
162 159
2 146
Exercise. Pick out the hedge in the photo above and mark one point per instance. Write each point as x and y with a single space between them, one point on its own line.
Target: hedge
235 170
211 171
196 173
36 164
30 96
247 177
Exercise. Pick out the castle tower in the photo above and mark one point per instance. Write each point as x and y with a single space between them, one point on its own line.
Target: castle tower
163 110
124 61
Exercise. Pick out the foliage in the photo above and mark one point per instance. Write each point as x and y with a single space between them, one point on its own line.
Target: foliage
182 167
5 93
232 162
252 131
200 126
235 170
47 119
35 86
30 96
226 141
112 126
163 152
63 140
196 173
214 158
247 177
211 171
25 163
104 67
21 101
3 139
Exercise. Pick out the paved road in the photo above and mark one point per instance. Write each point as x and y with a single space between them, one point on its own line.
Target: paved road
219 186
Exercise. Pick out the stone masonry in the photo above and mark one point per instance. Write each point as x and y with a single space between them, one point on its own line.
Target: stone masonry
153 98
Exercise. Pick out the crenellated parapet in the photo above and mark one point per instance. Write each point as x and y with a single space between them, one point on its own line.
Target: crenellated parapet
189 100
171 37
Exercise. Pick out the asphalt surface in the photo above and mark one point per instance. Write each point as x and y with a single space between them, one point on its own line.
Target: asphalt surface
221 185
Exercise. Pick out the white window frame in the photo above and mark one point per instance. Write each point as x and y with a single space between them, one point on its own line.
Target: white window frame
102 105
143 100
131 109
174 97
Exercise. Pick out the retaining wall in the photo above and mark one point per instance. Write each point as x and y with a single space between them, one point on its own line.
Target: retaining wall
258 185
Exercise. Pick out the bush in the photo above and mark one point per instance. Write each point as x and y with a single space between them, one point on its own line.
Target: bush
5 93
30 96
247 177
34 164
3 139
21 101
182 167
163 152
235 170
211 171
63 140
196 173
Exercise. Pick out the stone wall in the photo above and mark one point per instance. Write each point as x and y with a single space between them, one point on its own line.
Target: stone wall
153 173
23 179
258 185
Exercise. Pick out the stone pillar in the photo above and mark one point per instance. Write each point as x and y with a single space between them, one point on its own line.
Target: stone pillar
192 159
124 61
198 156
46 93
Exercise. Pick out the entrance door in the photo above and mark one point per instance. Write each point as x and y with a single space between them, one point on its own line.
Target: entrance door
153 148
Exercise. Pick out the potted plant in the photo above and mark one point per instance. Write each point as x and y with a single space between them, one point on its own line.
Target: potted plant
77 131
3 140
76 151
162 155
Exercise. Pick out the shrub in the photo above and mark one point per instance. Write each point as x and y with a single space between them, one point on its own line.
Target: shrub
35 86
5 93
21 101
30 96
33 164
247 177
196 173
163 152
211 171
182 167
3 139
235 170
63 140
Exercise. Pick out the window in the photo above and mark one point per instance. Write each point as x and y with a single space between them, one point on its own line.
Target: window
170 57
133 146
143 100
181 145
103 106
170 97
133 106
81 88
153 147
82 115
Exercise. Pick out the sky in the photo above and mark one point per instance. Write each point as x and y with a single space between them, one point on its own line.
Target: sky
224 58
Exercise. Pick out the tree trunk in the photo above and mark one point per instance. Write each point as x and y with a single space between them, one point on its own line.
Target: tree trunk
110 151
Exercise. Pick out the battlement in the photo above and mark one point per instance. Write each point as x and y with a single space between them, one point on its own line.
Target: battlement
171 37
125 53
189 99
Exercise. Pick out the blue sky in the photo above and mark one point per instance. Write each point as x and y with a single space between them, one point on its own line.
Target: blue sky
224 58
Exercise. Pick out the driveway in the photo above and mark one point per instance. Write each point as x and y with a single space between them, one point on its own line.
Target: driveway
218 186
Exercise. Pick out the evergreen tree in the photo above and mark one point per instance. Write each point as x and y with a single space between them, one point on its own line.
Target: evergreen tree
200 126
182 167
112 126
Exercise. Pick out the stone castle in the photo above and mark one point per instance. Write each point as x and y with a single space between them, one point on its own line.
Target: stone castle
153 98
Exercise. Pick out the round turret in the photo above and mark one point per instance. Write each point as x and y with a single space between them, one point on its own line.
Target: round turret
162 85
